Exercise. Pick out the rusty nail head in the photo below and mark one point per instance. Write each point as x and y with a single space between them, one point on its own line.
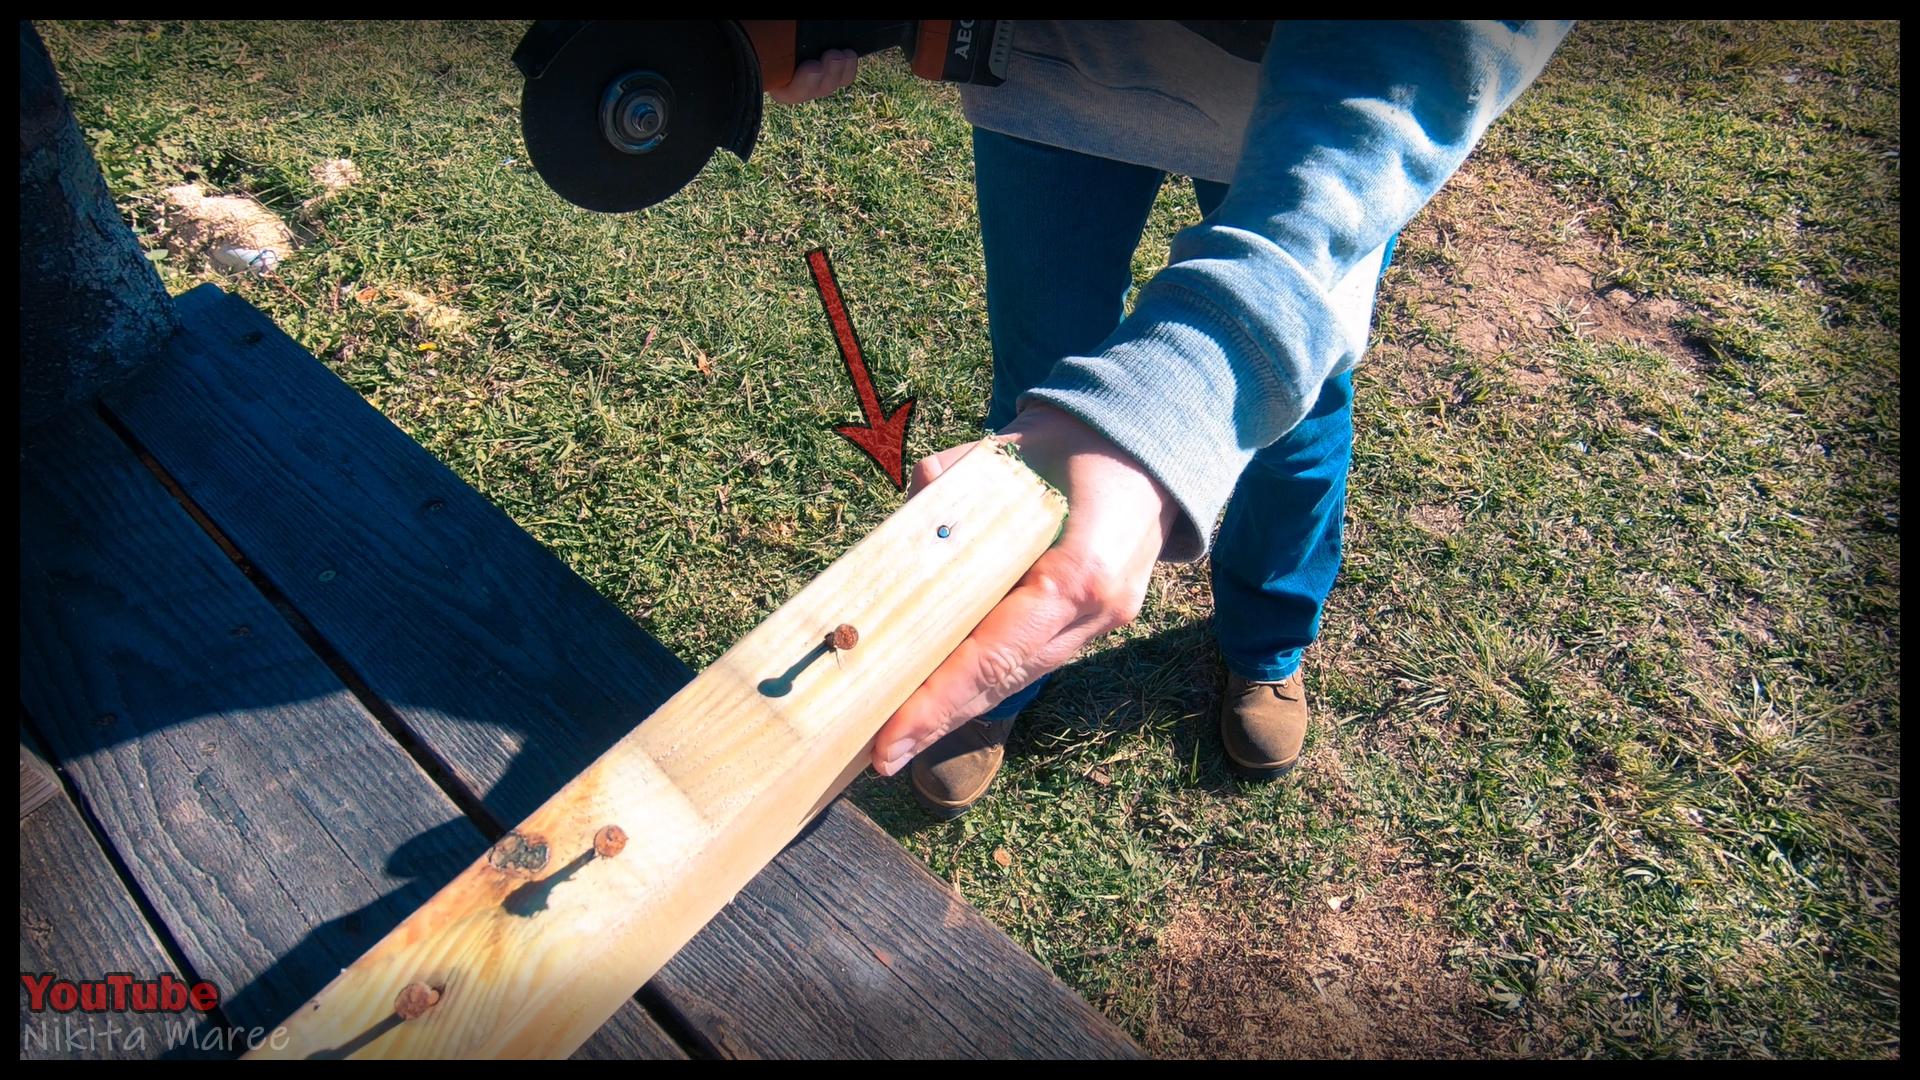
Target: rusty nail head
609 841
517 853
844 636
415 1000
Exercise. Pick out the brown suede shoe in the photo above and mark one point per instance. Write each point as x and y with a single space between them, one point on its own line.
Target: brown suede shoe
1263 725
952 774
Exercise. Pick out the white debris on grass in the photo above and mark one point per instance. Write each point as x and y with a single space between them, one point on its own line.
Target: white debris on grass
430 315
251 260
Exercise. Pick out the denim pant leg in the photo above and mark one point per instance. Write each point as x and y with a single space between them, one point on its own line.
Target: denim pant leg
1058 229
1279 545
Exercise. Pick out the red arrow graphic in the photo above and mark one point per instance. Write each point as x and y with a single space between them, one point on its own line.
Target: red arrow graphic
883 437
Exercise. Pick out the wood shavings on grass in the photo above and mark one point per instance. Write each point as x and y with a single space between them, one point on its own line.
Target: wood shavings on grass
231 231
429 317
333 176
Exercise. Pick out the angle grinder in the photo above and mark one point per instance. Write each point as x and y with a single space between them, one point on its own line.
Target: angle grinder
619 115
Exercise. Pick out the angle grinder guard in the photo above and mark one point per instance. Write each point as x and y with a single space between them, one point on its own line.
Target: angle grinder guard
619 115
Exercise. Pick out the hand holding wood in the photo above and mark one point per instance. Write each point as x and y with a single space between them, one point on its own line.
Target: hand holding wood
1091 582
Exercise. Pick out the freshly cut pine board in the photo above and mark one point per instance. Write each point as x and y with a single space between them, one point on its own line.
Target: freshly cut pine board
536 944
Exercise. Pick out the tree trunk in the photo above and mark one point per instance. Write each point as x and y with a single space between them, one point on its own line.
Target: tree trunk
92 309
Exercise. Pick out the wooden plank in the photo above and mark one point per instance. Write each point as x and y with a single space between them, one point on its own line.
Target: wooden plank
78 921
943 941
838 996
37 784
275 827
484 644
541 939
631 1035
524 655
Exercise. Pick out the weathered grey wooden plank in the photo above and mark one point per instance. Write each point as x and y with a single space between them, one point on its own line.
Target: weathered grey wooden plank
502 662
269 820
37 784
778 942
474 633
77 921
936 938
630 1034
898 965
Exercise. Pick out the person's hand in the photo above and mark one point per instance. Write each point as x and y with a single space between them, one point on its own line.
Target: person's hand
1090 582
817 78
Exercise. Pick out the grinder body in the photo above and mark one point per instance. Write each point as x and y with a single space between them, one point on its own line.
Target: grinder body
619 115
942 50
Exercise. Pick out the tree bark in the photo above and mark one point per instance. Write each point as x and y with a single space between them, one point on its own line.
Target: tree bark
92 308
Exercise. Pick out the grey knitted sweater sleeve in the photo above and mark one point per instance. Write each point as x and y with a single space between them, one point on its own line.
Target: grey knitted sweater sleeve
1354 129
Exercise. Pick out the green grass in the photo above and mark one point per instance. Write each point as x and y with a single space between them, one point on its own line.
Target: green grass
1634 704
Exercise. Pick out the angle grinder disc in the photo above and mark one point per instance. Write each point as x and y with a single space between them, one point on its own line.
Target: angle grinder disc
702 73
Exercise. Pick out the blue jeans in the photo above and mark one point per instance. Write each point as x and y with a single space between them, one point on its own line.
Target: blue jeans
1059 230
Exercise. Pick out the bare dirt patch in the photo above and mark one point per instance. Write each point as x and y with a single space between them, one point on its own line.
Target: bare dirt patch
1501 263
1358 972
1438 520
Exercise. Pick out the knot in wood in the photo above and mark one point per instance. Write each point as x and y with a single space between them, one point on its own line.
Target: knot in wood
519 854
609 841
844 636
415 1000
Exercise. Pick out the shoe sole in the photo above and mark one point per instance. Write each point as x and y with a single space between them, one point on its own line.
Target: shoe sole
1248 772
939 810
